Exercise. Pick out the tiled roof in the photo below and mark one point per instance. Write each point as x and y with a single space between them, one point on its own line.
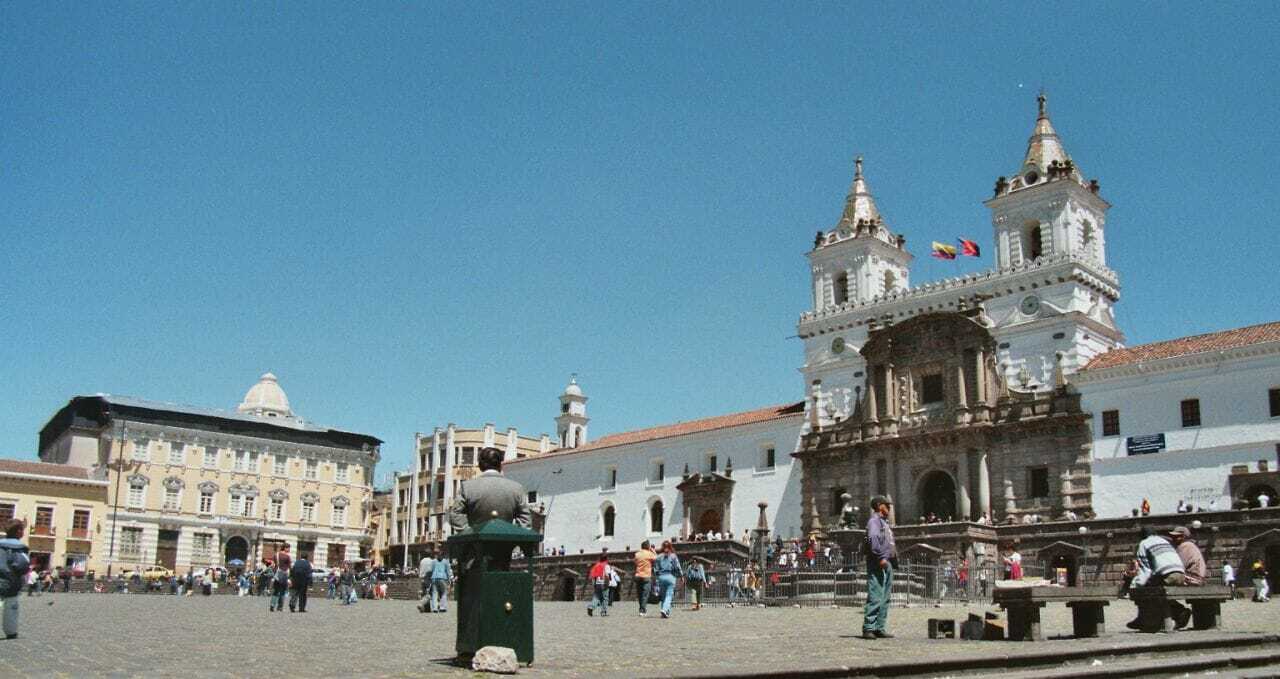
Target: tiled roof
66 471
681 429
1186 346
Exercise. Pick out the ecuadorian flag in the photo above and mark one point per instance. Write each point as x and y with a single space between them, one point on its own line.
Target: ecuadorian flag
943 251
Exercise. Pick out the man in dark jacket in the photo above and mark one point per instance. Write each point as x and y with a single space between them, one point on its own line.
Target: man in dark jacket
15 563
299 581
881 554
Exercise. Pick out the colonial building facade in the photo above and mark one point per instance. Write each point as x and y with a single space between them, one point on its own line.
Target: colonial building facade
939 429
64 508
192 487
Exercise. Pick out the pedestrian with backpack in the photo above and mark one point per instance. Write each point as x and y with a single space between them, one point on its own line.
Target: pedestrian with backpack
279 586
15 562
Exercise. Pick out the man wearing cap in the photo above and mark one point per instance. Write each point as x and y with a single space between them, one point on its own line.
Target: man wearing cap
1157 564
1196 572
881 555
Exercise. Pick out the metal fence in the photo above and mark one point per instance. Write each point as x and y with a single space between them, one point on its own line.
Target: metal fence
913 583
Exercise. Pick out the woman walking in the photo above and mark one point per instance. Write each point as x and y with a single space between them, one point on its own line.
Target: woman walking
668 568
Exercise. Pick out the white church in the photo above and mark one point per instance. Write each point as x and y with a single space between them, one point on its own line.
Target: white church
1194 419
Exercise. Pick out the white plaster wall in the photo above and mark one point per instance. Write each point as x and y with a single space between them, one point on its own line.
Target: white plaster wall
572 486
1236 428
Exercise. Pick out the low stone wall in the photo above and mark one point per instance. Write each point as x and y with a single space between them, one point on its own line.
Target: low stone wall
564 578
1104 549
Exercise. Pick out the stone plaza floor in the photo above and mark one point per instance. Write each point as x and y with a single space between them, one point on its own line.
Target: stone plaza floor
81 635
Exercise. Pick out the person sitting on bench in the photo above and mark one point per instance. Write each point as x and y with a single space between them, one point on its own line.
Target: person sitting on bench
1157 564
1193 564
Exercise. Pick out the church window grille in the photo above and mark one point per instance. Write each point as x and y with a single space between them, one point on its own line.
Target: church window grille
176 451
841 290
712 463
611 478
531 497
564 407
1274 397
1191 412
655 517
1038 482
931 390
1111 423
1035 244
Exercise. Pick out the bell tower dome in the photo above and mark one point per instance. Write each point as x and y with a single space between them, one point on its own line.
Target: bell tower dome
571 423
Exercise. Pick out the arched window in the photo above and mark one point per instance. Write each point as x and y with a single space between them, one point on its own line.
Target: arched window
607 519
890 281
841 288
1032 245
655 517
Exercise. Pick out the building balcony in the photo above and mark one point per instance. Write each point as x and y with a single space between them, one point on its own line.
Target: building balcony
44 530
80 534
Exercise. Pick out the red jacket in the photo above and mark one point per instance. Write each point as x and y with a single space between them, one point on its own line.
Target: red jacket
600 572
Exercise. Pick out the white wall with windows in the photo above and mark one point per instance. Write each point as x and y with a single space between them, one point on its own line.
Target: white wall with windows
1237 395
632 487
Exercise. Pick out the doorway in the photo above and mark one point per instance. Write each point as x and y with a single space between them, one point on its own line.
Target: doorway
167 549
237 549
709 522
938 496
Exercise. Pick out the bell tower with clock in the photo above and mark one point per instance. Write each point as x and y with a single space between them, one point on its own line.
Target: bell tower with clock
854 263
1057 294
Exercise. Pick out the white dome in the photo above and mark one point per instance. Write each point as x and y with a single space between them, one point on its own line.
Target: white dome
266 399
573 389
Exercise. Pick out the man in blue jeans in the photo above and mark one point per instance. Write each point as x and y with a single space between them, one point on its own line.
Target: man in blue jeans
881 553
441 574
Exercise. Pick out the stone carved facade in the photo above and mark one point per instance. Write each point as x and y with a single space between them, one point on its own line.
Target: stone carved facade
938 428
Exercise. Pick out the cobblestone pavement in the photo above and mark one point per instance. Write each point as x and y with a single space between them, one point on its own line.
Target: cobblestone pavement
148 635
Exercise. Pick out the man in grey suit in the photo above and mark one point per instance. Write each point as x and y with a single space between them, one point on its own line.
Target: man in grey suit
489 495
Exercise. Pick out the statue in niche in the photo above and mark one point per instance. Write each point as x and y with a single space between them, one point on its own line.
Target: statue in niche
848 513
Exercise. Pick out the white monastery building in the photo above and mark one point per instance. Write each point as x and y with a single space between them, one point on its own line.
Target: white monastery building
1212 401
1195 419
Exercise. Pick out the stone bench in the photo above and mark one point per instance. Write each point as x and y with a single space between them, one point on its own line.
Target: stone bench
1154 614
1022 606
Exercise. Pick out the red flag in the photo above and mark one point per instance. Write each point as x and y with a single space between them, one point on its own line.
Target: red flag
969 248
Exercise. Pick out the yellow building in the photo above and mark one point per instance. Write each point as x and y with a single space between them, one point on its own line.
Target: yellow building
192 487
64 508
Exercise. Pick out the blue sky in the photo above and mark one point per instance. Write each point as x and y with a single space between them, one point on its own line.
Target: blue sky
421 214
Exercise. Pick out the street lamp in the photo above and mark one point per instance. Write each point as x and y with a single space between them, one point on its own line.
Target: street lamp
1084 533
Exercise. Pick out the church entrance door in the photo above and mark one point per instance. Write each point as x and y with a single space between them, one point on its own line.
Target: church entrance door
709 522
938 495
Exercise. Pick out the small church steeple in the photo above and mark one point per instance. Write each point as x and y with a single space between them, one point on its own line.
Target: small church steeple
571 423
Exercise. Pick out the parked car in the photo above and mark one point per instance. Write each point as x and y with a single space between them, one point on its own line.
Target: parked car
320 572
150 573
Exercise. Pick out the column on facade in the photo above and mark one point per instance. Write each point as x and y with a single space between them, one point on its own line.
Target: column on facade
183 555
891 488
962 396
873 409
321 557
1010 503
962 487
447 495
984 484
981 414
686 527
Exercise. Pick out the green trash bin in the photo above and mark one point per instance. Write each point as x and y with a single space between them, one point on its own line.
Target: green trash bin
495 605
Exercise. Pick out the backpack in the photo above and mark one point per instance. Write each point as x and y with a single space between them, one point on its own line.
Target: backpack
14 565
